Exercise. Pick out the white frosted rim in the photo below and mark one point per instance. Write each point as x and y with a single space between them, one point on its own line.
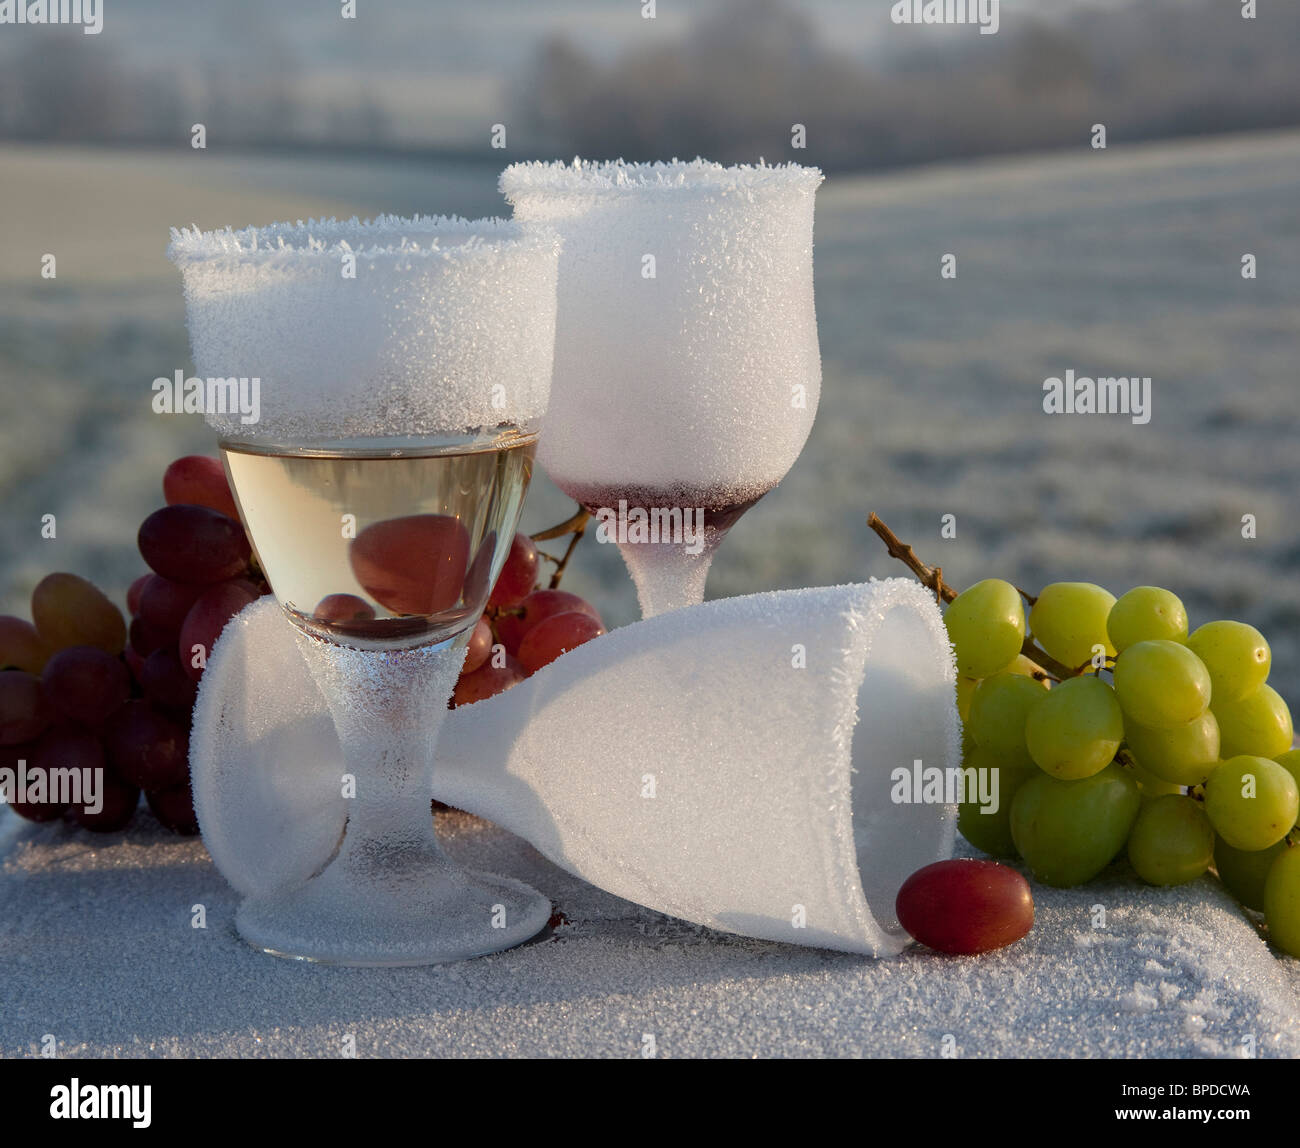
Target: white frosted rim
424 236
676 177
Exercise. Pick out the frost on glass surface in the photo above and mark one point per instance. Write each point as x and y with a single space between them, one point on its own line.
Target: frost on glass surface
687 367
387 327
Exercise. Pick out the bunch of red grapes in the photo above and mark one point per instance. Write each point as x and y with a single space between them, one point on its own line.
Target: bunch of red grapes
523 628
81 690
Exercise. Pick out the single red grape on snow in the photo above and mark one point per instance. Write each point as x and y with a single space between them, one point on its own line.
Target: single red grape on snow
965 906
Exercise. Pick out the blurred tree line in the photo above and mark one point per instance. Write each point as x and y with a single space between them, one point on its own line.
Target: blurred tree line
730 87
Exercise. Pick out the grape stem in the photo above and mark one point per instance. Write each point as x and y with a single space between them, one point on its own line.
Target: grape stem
1045 666
574 525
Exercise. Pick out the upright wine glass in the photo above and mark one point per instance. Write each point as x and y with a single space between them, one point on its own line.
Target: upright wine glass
687 370
404 369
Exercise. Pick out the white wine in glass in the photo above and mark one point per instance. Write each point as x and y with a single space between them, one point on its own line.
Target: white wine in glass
687 368
405 368
382 544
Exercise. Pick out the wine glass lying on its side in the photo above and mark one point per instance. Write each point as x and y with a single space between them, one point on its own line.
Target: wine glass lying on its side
731 764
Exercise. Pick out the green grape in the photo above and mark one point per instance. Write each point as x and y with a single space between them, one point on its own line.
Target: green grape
1075 729
1184 755
1282 902
1026 668
1161 684
1290 761
1252 802
986 623
1144 614
967 745
991 832
1243 872
965 687
1258 724
1069 831
998 711
1236 655
1152 785
1069 618
1172 841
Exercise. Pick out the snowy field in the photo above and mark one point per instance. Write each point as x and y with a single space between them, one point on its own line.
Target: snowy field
1125 262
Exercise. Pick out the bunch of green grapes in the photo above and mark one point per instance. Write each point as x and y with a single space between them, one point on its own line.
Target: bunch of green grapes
1147 736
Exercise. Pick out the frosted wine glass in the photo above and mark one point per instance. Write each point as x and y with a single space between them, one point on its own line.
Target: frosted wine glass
404 368
687 370
731 764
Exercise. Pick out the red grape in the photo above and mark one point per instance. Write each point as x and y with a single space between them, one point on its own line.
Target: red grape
145 638
207 618
21 647
537 607
965 906
69 611
517 576
197 480
119 800
164 603
133 593
71 760
480 646
147 748
486 681
43 810
174 808
556 635
412 565
84 684
343 608
476 577
25 712
193 544
134 662
165 681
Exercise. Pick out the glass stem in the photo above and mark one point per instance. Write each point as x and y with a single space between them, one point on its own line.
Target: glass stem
667 575
388 706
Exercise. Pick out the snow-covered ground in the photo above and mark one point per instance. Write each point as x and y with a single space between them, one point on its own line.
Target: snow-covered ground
97 947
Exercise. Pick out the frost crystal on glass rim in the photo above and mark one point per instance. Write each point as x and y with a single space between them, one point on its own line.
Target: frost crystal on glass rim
367 329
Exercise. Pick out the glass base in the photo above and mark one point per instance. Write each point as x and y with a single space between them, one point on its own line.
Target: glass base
451 916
